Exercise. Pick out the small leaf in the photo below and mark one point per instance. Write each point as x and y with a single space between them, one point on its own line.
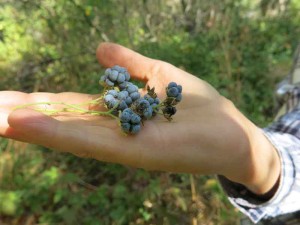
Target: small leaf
151 92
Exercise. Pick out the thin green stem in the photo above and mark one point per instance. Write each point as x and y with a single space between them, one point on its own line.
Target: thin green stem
69 108
50 103
92 102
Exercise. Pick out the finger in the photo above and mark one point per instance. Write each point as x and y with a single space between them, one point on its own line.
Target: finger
12 99
85 141
157 72
9 100
139 66
47 131
82 100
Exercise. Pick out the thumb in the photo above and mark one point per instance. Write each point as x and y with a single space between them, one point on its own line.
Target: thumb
139 66
143 68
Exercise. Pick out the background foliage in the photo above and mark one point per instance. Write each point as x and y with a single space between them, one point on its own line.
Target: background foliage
241 47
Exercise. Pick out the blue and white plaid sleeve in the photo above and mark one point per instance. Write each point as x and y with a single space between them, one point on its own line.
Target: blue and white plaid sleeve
284 134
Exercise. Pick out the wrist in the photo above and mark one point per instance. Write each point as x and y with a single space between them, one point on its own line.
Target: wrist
266 169
259 163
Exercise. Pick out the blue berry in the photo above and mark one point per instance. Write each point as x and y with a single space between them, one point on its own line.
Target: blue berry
122 95
135 119
109 82
125 127
131 88
125 116
179 97
108 98
127 76
121 78
113 75
118 68
148 113
128 110
113 93
128 101
172 84
113 104
123 85
179 87
135 128
142 104
149 99
107 72
135 96
110 102
125 93
102 79
172 92
122 105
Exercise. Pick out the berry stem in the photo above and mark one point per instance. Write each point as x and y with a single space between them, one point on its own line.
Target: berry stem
52 103
70 108
92 102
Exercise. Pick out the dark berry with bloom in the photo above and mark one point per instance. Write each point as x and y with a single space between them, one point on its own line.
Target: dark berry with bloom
130 121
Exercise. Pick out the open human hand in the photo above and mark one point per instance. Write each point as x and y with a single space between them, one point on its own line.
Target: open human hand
207 136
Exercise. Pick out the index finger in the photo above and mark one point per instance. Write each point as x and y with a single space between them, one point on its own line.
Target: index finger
9 100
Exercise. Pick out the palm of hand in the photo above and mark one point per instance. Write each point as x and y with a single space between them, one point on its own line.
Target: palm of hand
160 145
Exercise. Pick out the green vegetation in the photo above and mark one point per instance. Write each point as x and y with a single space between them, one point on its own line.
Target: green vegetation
241 47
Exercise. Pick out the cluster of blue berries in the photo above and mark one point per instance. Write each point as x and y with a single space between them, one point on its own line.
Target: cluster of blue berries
123 98
174 91
115 76
130 121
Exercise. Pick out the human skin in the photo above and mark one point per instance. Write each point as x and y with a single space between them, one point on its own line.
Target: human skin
207 136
